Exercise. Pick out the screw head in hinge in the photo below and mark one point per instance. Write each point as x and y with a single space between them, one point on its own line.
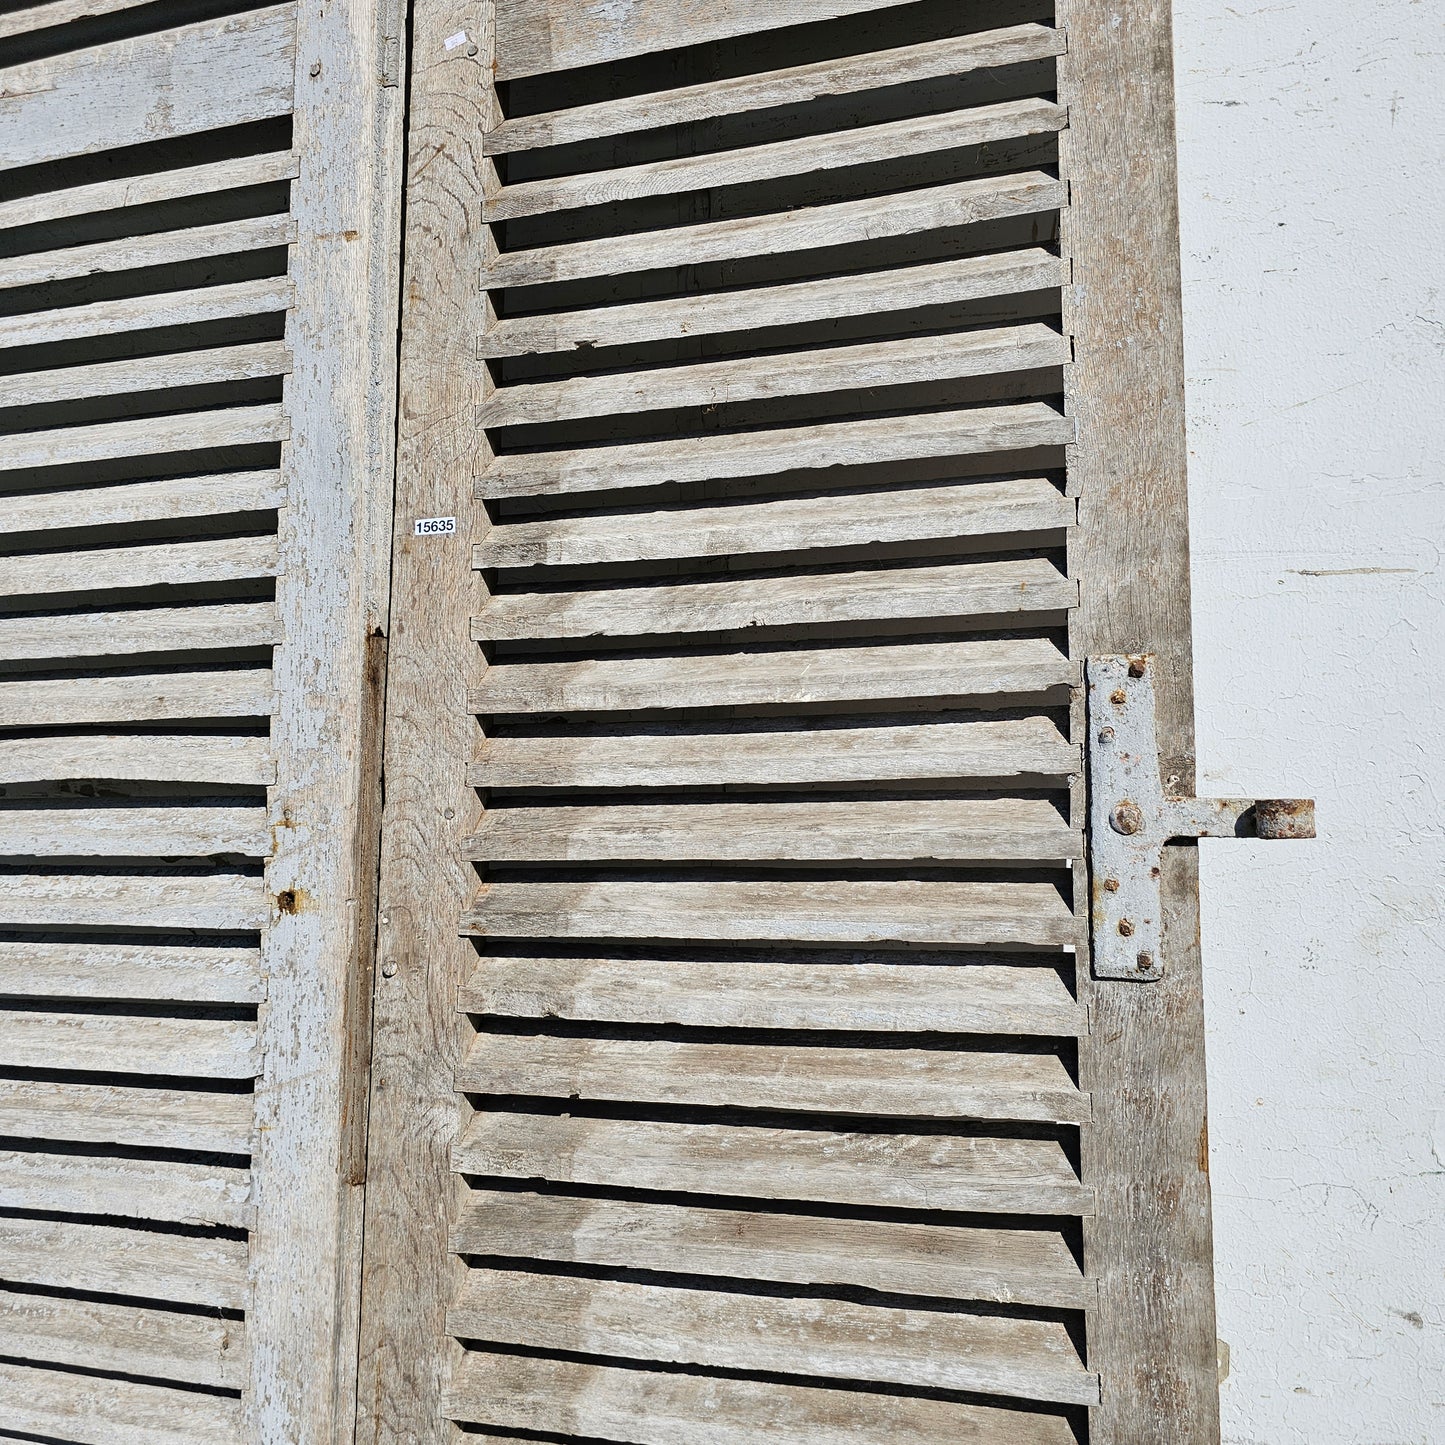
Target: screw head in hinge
1127 818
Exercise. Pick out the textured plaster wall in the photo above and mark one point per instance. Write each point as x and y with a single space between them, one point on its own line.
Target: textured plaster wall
1312 178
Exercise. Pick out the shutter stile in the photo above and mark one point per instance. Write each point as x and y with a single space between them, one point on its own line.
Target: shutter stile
772 1124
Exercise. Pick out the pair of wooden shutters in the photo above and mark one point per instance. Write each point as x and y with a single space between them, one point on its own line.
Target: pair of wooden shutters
788 401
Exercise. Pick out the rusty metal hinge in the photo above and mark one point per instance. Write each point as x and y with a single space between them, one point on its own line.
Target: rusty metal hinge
1131 819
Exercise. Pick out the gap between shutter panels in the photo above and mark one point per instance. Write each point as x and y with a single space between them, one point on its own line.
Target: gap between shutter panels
143 299
774 1088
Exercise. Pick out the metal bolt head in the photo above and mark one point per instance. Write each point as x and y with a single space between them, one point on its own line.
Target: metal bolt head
1145 961
1106 734
1118 697
1138 666
1111 885
1126 927
1127 818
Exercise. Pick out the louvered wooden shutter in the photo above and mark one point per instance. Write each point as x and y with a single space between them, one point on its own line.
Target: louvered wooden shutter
196 262
823 350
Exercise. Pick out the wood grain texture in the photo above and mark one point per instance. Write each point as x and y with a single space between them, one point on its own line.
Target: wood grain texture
1026 748
105 970
766 453
158 248
59 635
121 1044
784 524
966 593
227 902
1028 1359
889 1083
163 1344
665 1409
152 373
902 1171
141 697
205 496
1145 1152
802 155
796 85
148 188
940 672
134 832
59 12
1008 1266
939 283
979 915
138 757
983 998
921 830
112 1259
408 1276
140 313
538 35
963 203
125 1188
151 87
143 437
101 1411
161 564
215 1123
874 364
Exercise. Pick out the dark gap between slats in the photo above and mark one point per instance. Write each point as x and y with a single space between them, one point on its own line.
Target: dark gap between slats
92 1374
155 466
141 1153
120 406
157 341
145 1302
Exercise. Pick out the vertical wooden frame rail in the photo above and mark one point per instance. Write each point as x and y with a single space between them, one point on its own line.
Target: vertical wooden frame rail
332 602
1149 1242
409 1276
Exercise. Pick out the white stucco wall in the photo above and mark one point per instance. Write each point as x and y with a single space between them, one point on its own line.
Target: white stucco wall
1312 178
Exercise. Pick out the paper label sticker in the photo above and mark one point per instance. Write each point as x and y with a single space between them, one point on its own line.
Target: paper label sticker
434 526
452 41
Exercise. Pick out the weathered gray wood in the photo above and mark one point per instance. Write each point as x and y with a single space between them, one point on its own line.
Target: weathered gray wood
908 1171
120 1044
1023 504
893 1083
159 248
99 1336
144 436
161 564
125 1188
222 901
106 1259
1146 1151
937 671
157 697
131 832
974 830
959 593
538 35
986 198
964 914
839 368
1029 747
151 629
105 970
332 601
152 87
216 1123
937 284
764 453
865 145
139 313
205 496
675 1409
137 757
1029 1359
151 373
982 998
101 1411
1010 1266
414 1113
953 55
59 12
146 189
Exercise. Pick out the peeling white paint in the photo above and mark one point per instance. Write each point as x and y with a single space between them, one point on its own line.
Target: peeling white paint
1311 155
